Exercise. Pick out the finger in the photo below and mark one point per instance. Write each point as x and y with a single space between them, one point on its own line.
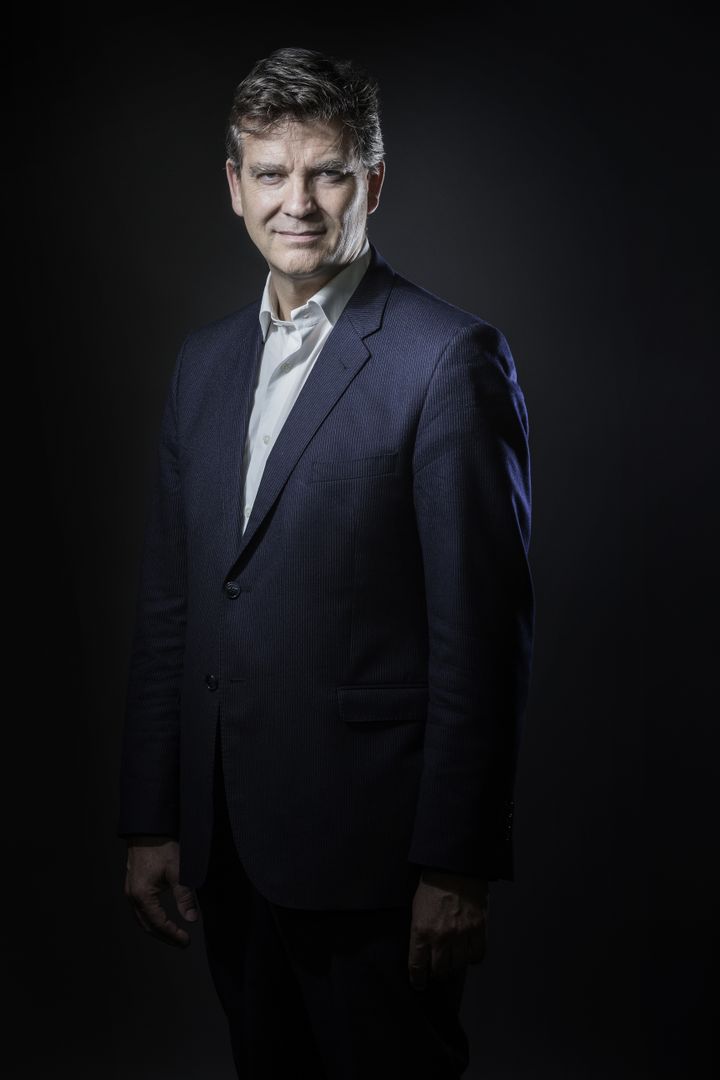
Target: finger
170 933
161 926
127 893
418 962
140 920
186 902
441 959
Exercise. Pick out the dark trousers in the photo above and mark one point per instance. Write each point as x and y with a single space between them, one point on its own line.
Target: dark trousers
321 994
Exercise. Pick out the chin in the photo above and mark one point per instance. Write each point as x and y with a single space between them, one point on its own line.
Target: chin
300 264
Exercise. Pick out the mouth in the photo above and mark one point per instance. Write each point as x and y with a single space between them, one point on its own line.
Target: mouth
300 236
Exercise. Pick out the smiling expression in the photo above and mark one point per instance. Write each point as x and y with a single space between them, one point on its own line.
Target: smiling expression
305 198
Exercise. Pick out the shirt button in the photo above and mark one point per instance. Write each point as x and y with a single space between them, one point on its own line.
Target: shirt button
266 438
247 511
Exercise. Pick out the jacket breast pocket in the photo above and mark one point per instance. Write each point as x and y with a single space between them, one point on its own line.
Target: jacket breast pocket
400 702
353 468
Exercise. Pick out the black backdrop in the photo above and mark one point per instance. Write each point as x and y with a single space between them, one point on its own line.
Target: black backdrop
556 176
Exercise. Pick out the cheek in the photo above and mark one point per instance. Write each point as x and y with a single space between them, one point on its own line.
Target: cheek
260 208
358 204
349 209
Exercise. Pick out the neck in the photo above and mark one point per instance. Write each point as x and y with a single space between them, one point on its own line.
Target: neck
291 293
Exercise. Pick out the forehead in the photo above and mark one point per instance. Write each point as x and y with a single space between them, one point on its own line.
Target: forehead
288 139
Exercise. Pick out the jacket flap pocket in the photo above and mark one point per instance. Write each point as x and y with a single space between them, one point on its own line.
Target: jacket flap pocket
383 701
347 468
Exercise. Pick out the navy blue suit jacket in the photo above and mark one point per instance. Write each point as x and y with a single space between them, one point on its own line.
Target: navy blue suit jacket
365 646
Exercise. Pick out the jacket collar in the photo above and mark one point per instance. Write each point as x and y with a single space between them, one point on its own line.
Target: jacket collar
328 302
347 347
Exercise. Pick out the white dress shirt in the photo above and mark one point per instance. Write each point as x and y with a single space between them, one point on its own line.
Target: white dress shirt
291 347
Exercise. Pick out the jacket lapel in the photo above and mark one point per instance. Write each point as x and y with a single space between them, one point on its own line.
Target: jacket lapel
343 354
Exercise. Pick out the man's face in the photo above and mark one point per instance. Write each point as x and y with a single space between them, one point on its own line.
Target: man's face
304 198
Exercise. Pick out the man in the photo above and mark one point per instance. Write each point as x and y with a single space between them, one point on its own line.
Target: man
333 644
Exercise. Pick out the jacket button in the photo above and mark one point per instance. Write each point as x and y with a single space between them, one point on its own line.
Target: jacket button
232 589
211 681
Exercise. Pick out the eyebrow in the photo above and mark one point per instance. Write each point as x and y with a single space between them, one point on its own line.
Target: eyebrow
269 166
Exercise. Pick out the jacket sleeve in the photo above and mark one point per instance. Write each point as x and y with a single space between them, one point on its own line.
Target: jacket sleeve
472 497
149 771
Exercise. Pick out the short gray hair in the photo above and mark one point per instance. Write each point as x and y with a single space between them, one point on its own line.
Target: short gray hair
303 84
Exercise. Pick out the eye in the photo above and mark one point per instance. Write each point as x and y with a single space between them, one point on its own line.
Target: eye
267 175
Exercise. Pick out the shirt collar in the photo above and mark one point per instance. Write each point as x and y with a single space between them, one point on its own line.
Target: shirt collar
327 302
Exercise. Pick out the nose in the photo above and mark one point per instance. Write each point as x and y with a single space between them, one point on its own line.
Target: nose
299 200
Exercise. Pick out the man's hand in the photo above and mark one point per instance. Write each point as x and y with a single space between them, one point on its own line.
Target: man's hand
153 865
449 923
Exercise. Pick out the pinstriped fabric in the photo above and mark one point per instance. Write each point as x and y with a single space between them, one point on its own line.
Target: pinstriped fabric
366 642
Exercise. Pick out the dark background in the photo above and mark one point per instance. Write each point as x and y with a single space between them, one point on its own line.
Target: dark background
554 175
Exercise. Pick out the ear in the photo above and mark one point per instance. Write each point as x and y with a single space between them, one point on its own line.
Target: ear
234 185
375 183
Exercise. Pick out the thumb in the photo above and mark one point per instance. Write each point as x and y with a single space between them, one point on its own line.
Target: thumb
186 902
